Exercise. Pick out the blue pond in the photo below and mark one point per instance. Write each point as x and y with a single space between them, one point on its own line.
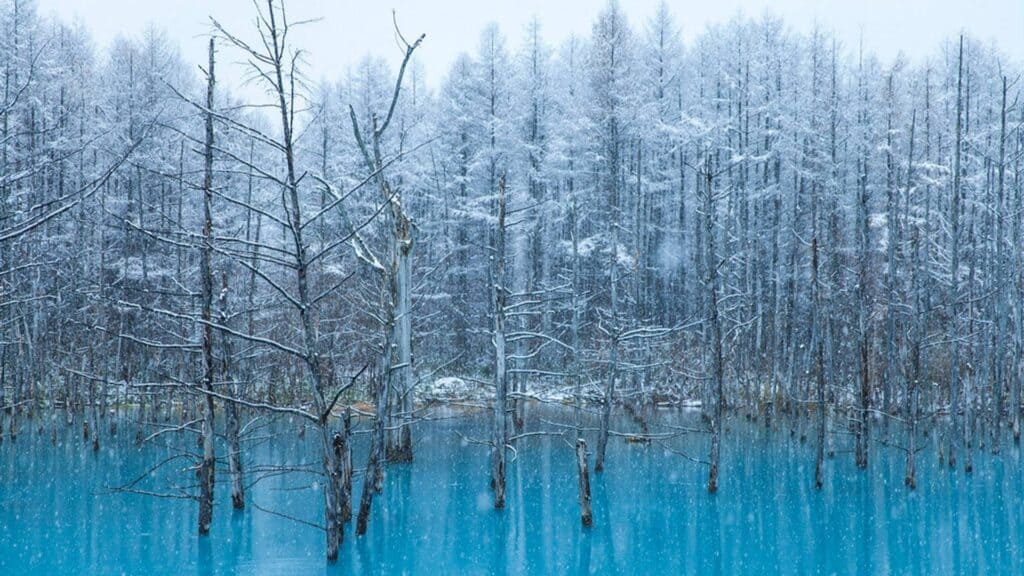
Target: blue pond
652 513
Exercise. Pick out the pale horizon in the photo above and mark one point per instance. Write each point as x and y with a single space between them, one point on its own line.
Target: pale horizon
336 42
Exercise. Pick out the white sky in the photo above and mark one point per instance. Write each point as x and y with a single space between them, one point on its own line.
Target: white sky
351 28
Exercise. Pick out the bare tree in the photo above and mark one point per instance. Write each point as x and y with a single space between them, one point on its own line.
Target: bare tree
206 469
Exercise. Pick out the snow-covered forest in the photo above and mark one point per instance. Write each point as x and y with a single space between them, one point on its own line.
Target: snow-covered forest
760 223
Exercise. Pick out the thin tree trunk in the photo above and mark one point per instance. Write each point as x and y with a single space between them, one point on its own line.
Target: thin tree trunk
862 426
232 425
206 472
918 331
344 454
586 515
714 327
954 271
500 432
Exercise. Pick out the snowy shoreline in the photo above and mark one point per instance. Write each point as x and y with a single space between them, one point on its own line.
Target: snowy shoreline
455 389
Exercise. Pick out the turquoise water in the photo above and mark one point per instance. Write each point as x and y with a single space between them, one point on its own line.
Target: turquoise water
652 514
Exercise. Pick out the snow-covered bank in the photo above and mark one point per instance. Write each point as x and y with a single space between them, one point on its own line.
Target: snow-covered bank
456 389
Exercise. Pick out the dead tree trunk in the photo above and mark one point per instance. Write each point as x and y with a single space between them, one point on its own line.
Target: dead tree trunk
374 475
276 64
398 275
232 425
344 455
586 515
613 366
335 496
206 477
577 319
714 330
1004 307
819 368
862 422
1017 290
918 331
609 399
500 432
954 271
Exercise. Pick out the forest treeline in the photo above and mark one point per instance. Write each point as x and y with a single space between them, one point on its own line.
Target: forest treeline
759 219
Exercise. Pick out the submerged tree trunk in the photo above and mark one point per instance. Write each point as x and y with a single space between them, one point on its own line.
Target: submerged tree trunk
344 454
373 478
334 495
500 432
609 398
918 332
278 77
955 436
1018 281
714 328
577 319
206 476
397 355
235 457
862 422
586 515
819 370
232 425
403 338
613 366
